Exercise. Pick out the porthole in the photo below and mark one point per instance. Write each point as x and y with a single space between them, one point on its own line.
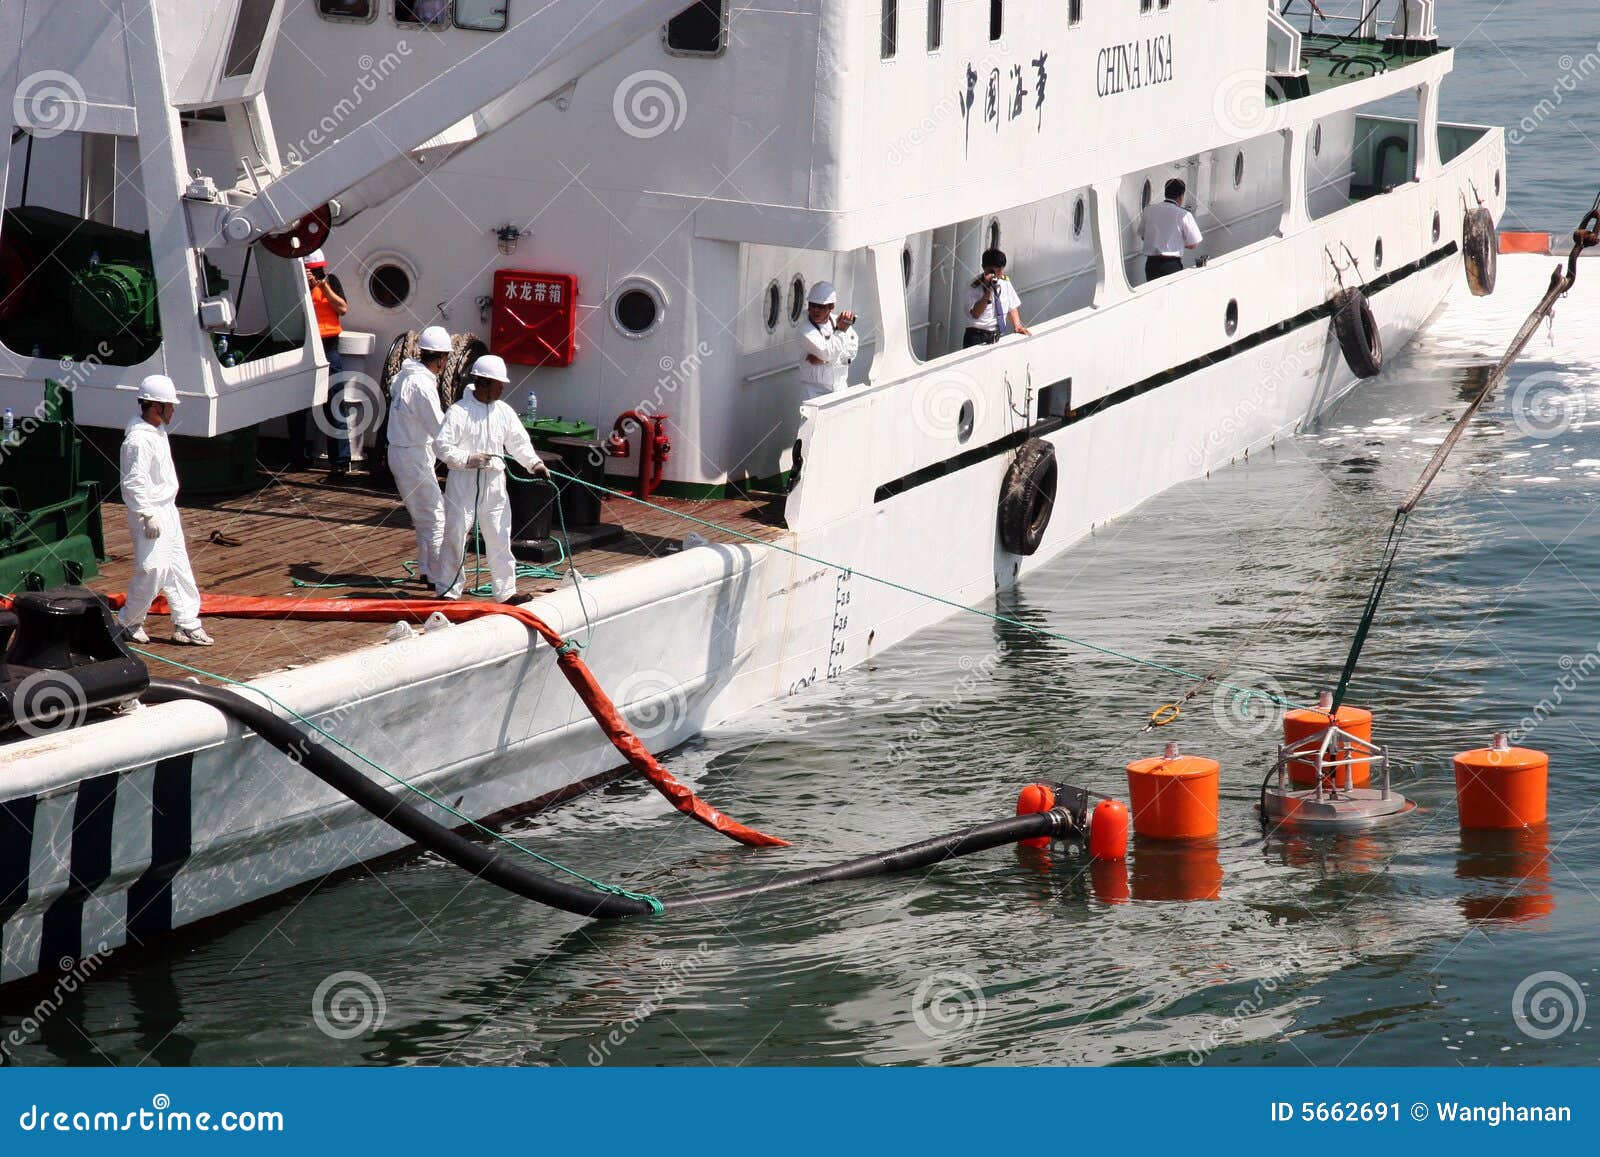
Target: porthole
1144 196
905 266
1497 182
965 421
637 307
389 285
774 303
1316 140
1377 254
1230 317
1436 224
1238 168
994 232
797 297
1077 218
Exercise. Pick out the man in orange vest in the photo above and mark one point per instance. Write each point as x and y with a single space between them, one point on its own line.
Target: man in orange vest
327 300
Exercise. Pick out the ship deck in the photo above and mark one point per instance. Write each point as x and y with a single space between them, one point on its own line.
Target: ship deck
300 527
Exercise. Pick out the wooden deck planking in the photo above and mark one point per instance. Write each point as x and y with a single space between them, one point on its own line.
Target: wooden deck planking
297 526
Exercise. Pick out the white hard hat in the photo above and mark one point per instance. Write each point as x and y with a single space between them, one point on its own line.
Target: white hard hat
491 367
822 293
434 340
158 388
316 258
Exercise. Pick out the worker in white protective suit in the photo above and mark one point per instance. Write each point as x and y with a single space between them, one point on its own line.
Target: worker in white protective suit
414 420
150 494
479 433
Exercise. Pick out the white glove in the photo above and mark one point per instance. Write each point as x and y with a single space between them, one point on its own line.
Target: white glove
494 464
152 528
477 461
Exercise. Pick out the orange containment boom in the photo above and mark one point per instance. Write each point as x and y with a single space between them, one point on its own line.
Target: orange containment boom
567 658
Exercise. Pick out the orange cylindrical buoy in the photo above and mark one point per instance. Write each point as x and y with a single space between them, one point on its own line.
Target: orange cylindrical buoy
1501 786
1108 830
1174 797
1036 797
1304 722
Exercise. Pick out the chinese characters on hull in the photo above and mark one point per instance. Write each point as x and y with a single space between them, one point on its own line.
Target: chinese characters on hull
1006 103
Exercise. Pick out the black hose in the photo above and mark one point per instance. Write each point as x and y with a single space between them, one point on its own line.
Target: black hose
978 838
340 775
405 819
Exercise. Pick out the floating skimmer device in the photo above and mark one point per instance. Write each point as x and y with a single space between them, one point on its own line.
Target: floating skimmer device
1338 764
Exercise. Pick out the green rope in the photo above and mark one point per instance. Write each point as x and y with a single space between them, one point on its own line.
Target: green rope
1005 620
655 905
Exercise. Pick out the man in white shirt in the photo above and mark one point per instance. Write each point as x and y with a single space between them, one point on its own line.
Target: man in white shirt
828 345
150 494
478 433
1167 230
414 420
993 306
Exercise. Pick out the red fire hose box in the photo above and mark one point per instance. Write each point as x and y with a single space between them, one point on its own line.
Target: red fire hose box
535 317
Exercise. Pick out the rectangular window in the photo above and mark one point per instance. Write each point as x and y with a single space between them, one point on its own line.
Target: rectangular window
248 32
346 9
891 29
997 18
935 25
429 13
1074 12
482 15
1163 3
699 30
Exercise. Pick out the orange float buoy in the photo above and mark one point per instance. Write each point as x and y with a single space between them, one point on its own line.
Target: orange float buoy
1108 830
1304 722
1174 796
1036 797
1501 786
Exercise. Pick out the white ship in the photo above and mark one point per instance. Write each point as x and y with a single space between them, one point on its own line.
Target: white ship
683 178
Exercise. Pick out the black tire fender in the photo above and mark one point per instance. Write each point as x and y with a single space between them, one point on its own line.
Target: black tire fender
1480 251
1027 497
1357 331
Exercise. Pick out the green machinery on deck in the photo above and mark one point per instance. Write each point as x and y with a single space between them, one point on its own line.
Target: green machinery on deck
50 531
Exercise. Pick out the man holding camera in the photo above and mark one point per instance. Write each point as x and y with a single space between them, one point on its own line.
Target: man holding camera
993 306
1167 229
829 344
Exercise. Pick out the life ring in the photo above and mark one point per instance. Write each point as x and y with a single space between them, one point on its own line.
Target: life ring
1028 496
1479 251
1357 331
